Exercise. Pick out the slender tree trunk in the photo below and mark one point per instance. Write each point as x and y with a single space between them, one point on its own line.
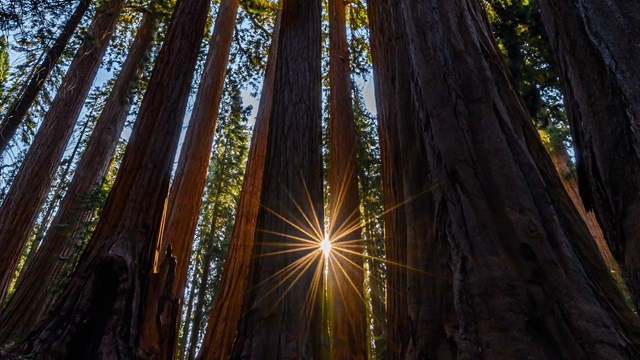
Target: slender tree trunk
508 269
36 292
281 315
345 280
42 228
223 323
187 319
98 315
200 302
188 185
29 189
596 47
18 110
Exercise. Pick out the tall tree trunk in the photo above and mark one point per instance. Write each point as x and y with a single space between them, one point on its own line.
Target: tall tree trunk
200 302
35 294
42 228
29 189
596 47
188 185
98 315
508 268
222 328
345 280
185 196
280 315
18 110
403 181
187 319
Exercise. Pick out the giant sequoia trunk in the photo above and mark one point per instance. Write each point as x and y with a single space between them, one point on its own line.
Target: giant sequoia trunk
505 268
597 48
35 292
345 280
222 328
280 315
97 315
407 218
188 185
267 320
18 110
29 189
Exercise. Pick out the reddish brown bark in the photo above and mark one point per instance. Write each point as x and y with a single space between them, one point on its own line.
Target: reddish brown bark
35 294
98 315
29 189
507 268
345 280
596 47
18 110
185 197
222 328
560 159
188 185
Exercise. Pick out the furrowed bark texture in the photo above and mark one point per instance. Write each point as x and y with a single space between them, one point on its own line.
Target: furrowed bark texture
408 216
597 48
345 281
98 315
18 110
222 328
35 294
520 275
29 189
280 315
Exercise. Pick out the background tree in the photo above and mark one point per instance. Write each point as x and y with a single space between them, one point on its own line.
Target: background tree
345 279
36 291
29 188
99 310
17 111
221 333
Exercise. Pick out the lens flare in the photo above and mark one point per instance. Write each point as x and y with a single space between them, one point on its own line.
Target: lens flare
325 245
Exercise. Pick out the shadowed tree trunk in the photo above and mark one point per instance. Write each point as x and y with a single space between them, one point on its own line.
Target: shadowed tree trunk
98 314
507 268
35 294
596 47
222 328
345 279
188 185
29 189
18 110
280 312
41 229
404 182
187 322
202 290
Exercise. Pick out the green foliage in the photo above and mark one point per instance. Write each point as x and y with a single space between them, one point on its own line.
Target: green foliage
521 38
4 61
220 200
259 6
